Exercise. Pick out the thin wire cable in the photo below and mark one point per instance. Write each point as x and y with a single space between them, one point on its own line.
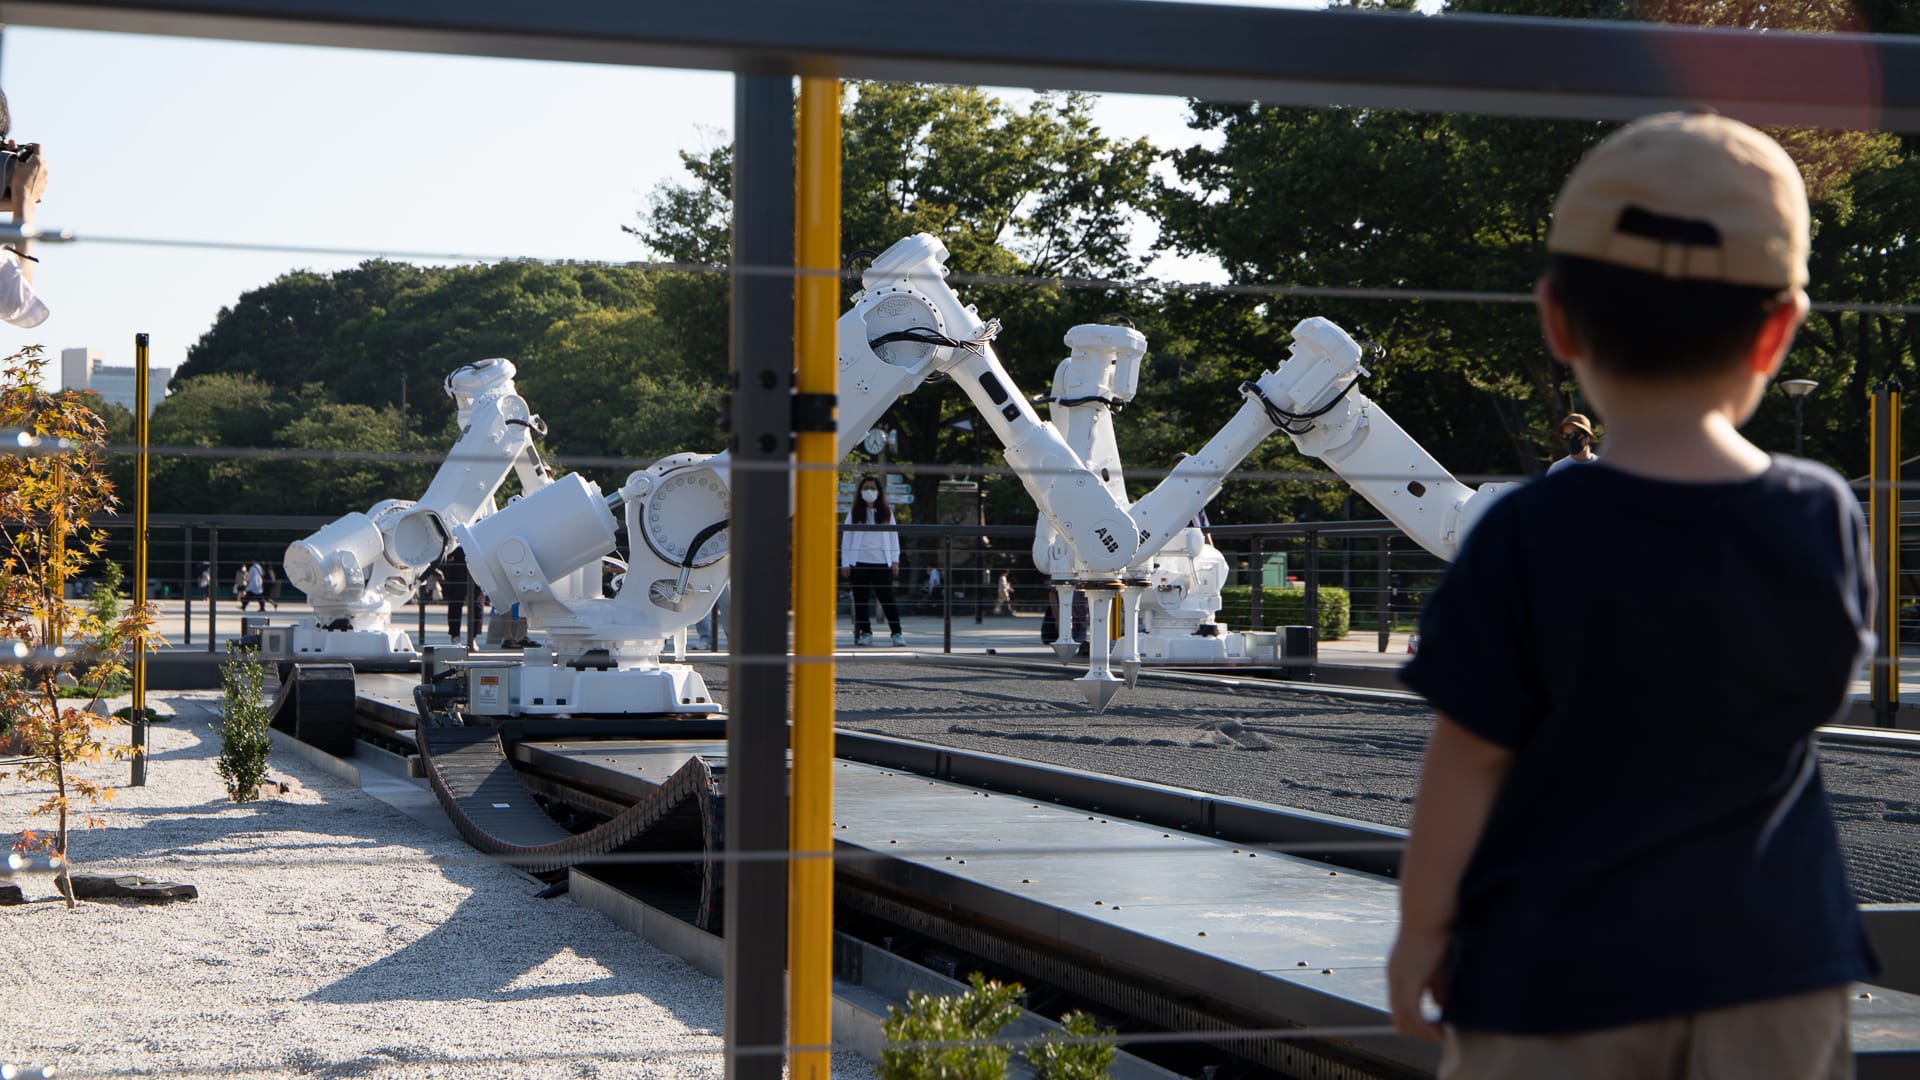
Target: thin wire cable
986 471
1060 281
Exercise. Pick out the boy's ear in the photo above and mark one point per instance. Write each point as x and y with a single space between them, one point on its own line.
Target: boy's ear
1776 335
1562 342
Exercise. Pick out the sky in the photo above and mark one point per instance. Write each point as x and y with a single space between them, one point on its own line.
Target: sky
176 142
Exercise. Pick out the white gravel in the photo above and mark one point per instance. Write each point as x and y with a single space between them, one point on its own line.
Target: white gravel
327 941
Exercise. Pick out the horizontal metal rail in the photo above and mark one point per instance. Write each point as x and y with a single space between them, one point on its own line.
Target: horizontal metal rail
1451 63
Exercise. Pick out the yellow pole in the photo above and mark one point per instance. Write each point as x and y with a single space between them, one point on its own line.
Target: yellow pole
140 557
815 584
1892 586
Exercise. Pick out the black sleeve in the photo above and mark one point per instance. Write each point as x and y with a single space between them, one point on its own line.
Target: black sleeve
1478 661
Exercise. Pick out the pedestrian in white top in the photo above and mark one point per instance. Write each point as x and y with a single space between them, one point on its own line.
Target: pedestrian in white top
256 586
870 559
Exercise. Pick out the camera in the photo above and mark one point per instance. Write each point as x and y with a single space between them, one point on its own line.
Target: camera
10 157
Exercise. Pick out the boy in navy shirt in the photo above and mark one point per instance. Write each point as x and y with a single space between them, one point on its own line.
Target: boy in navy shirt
1622 862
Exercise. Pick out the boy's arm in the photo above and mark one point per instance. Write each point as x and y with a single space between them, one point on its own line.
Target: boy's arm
1459 780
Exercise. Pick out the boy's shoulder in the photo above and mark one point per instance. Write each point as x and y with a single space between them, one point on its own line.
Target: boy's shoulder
1598 487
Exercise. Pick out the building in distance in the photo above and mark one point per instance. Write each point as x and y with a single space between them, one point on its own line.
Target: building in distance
87 369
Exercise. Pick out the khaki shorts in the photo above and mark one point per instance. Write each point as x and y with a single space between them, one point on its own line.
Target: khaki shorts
1803 1037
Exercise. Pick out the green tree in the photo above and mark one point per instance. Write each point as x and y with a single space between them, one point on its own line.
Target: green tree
1034 191
1359 198
584 338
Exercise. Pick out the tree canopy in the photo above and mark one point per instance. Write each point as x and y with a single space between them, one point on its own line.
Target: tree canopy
1030 192
1306 210
354 361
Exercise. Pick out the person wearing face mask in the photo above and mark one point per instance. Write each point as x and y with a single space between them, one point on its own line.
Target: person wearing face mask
1576 433
869 560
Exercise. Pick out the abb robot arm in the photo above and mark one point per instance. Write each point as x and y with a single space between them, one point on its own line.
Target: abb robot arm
355 569
1314 397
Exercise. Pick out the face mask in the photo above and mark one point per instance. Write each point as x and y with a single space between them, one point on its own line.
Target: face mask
869 494
1575 443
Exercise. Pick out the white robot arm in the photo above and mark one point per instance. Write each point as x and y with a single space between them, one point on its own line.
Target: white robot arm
1314 397
1099 376
358 567
496 436
908 319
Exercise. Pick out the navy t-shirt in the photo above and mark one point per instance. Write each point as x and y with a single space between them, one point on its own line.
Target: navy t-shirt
1657 656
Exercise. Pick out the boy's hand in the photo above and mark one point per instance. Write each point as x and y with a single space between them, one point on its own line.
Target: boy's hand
1418 964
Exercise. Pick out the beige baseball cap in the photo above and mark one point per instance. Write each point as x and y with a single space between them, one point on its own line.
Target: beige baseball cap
1688 195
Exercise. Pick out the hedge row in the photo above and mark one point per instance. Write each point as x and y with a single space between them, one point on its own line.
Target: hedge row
1285 607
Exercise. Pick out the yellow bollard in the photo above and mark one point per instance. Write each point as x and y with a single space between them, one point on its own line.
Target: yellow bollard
815 587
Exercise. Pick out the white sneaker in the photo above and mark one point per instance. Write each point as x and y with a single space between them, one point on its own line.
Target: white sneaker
898 640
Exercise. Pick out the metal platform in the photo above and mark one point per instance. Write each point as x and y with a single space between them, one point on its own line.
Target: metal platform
1187 931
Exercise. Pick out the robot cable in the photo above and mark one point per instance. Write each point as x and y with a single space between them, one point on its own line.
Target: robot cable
1289 422
927 336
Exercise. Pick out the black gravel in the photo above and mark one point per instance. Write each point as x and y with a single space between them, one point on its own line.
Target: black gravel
1331 755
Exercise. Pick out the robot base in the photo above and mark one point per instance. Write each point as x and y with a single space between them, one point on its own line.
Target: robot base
1246 647
551 689
308 643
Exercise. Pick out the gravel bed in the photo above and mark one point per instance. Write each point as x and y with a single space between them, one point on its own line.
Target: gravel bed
333 937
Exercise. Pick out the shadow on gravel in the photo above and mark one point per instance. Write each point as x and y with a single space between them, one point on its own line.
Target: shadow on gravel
477 955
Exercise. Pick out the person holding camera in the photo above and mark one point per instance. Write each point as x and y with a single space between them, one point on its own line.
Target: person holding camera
23 183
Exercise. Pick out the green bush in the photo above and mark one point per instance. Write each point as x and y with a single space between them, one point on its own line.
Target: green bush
104 612
1057 1059
1286 606
967 1018
244 742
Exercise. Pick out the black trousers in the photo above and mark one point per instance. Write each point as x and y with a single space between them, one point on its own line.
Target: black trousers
456 600
869 580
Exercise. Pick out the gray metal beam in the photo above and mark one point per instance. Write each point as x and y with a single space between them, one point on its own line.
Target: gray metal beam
1452 63
762 446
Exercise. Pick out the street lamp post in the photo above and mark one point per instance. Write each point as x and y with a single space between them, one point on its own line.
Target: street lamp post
1798 389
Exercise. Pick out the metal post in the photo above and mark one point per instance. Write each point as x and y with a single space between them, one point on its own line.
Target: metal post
213 585
1313 589
761 352
186 591
1883 526
139 643
1259 580
1384 590
1799 421
816 586
946 590
980 519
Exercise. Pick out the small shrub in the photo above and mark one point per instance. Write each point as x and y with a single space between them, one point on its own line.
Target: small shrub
244 742
124 714
1285 606
1057 1059
106 609
967 1018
